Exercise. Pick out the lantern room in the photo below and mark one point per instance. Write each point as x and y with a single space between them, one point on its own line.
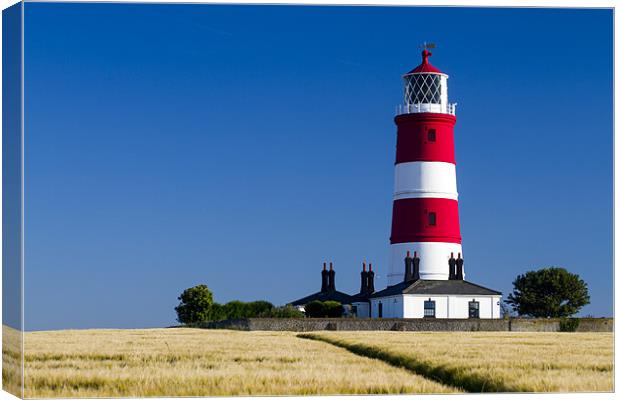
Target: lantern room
426 90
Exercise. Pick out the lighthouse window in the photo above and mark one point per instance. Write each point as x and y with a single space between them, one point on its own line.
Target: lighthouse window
429 309
431 135
432 219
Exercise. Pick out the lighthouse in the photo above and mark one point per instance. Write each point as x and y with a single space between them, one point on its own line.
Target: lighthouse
425 217
426 277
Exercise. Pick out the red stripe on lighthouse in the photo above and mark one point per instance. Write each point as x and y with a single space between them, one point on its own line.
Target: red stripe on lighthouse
425 137
412 221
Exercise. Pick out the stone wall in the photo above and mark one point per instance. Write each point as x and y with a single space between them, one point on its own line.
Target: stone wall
596 325
385 324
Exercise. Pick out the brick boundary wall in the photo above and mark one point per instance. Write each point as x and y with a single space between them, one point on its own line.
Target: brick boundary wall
388 324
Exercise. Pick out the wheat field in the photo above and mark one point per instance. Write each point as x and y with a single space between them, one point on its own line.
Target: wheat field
495 361
198 362
12 360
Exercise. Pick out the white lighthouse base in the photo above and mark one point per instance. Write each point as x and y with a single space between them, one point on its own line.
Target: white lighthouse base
434 258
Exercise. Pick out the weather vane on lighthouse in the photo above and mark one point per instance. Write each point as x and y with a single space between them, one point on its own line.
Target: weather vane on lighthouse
426 46
425 53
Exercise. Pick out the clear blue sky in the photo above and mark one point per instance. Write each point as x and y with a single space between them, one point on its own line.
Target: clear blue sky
239 146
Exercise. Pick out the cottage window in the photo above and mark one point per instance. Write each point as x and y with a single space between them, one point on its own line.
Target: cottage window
380 310
429 308
474 309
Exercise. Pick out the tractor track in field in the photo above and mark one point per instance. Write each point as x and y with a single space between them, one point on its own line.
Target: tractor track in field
446 375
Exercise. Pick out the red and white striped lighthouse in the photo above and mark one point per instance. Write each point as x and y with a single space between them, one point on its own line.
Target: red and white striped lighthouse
425 214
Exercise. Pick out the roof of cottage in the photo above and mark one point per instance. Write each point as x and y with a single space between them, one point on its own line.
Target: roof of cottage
423 286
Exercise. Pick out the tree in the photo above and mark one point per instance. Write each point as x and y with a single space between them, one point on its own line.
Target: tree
319 309
195 305
333 309
286 311
314 309
217 312
259 308
548 292
236 309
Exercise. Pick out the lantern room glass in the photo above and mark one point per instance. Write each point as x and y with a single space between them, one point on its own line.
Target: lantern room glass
422 89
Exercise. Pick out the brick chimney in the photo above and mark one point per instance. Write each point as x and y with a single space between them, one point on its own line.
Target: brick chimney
324 278
364 286
416 266
371 279
408 267
331 286
459 268
452 266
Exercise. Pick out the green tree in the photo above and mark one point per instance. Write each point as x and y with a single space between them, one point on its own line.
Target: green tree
236 309
548 292
314 309
217 312
333 309
286 311
323 309
259 308
195 305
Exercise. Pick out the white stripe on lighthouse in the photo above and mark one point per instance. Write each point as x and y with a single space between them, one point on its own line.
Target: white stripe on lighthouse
425 179
433 259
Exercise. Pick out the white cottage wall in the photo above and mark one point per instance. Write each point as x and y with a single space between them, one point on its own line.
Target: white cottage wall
392 307
446 306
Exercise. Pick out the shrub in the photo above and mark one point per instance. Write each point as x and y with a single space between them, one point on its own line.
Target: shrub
259 308
569 324
217 312
319 309
287 311
238 309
